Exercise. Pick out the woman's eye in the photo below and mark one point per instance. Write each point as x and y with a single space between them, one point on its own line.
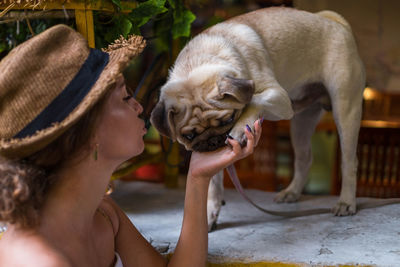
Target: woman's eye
126 98
129 90
190 136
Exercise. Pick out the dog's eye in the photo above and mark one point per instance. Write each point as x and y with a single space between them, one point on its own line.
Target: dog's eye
228 121
190 136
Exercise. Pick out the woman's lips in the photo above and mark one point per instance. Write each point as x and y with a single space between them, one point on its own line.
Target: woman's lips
144 128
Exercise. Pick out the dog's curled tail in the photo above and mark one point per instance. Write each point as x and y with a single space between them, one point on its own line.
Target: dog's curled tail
335 17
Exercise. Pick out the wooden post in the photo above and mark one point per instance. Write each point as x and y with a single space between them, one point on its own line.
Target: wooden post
84 25
83 11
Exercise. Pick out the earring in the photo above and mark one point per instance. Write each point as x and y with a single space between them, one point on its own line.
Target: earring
95 153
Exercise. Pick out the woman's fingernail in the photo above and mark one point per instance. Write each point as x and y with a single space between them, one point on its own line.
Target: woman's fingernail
248 128
260 121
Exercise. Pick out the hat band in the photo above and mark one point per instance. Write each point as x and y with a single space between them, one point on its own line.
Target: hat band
71 96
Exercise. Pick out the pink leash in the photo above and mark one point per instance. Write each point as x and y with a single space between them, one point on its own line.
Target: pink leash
299 213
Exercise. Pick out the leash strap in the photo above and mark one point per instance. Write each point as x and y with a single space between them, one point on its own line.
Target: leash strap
289 214
299 213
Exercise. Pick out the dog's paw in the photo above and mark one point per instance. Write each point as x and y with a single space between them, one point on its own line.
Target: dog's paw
238 131
239 135
286 196
344 209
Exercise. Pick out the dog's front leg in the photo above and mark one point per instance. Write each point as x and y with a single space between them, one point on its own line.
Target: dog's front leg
215 199
302 127
271 104
250 114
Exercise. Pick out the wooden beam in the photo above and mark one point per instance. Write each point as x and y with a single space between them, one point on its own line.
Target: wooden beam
84 25
83 11
13 16
105 5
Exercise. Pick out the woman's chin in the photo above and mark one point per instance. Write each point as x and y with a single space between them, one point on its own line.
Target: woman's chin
138 149
141 151
128 153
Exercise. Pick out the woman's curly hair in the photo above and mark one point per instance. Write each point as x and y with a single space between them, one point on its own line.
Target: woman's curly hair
22 188
24 183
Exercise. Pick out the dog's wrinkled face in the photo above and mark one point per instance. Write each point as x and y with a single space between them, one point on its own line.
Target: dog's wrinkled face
199 111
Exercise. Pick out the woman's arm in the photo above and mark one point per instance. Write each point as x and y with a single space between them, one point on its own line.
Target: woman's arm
132 247
192 247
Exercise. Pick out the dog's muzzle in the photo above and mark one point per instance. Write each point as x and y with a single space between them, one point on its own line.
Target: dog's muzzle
211 144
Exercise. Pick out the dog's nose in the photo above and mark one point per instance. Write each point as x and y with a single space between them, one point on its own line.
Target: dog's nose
211 144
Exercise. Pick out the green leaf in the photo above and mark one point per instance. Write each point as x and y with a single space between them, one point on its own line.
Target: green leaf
147 10
135 30
40 27
168 19
3 47
162 43
112 34
117 3
125 26
172 3
163 23
182 24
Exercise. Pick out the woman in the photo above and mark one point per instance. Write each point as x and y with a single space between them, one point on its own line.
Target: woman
66 123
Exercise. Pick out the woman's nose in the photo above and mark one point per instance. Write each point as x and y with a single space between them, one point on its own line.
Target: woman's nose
138 107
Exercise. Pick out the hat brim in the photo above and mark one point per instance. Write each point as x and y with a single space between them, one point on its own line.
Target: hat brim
121 54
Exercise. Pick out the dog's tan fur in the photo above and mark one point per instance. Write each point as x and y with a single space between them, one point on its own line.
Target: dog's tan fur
276 63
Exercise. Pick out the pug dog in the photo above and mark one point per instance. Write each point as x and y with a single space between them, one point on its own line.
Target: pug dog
275 63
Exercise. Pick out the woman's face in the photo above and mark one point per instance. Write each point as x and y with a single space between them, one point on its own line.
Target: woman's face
119 135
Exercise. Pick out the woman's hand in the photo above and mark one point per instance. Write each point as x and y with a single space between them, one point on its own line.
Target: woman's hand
207 164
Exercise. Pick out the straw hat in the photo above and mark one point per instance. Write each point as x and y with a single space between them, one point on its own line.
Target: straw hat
48 82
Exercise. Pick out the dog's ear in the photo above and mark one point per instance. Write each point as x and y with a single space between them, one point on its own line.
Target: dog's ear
162 120
240 89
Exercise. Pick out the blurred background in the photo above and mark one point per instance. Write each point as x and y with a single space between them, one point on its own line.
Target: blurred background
168 25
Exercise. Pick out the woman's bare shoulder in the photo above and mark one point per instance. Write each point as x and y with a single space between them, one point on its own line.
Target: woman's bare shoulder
118 217
110 208
30 250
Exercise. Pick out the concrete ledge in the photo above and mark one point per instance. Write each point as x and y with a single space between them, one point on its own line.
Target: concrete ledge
247 237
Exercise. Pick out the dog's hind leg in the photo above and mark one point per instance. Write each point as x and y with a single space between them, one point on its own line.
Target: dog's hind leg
302 127
215 199
347 115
